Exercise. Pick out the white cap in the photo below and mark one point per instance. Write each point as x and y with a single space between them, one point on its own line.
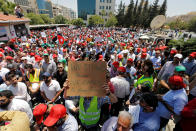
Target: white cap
112 57
178 56
1 43
24 58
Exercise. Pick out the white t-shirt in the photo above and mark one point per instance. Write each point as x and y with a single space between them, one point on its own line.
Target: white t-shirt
121 86
20 105
3 72
51 90
20 91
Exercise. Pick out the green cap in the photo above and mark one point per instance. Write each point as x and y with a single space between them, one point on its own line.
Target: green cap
180 68
46 54
62 61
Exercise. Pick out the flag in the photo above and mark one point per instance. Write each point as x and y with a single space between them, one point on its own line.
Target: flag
110 38
60 39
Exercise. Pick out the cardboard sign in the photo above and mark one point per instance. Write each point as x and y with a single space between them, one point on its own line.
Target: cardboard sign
86 78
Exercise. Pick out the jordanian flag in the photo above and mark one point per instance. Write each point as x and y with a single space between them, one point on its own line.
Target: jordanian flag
110 38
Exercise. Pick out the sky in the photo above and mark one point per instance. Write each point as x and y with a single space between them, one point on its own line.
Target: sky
174 7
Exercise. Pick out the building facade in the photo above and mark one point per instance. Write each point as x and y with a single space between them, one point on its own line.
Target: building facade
103 8
64 11
45 7
28 6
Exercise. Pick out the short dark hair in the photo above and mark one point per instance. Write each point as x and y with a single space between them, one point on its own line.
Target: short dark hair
10 75
150 99
150 66
6 93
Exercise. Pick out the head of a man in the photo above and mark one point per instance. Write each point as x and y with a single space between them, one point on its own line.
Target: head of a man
30 68
60 67
148 102
5 98
157 53
177 59
125 121
47 77
11 77
46 58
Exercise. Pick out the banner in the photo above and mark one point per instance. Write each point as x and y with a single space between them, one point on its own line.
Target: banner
86 78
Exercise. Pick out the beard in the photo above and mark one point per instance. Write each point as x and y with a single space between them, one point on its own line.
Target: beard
4 106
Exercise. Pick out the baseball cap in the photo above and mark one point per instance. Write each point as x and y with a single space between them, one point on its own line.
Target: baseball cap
1 55
57 111
173 52
130 60
9 58
143 55
54 56
62 61
180 68
179 56
122 69
39 112
46 54
120 56
1 43
115 64
177 81
46 74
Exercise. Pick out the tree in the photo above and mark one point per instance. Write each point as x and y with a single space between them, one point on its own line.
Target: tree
139 13
145 15
129 14
60 20
7 7
134 13
95 20
78 22
35 19
46 18
121 14
154 11
163 8
178 24
192 25
112 21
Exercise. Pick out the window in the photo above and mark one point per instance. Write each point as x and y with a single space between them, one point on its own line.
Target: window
100 7
110 1
102 1
99 13
105 19
106 7
109 7
107 1
103 7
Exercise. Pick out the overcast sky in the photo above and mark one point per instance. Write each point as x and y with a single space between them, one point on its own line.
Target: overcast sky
175 7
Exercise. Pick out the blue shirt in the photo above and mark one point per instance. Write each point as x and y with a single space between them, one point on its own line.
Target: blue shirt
189 65
177 99
156 61
148 121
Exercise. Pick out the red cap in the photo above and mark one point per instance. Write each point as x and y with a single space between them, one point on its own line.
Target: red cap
156 48
192 55
177 81
9 58
173 51
122 69
64 50
57 111
69 44
32 54
120 56
40 49
54 56
122 44
143 55
99 44
1 55
144 50
130 60
12 40
39 112
100 57
138 50
1 50
115 64
16 46
48 49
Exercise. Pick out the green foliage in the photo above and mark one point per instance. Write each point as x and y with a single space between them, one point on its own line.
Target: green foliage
129 15
35 19
186 46
78 22
145 15
178 24
46 18
163 8
7 7
95 20
121 14
112 21
154 11
60 20
134 13
138 14
192 25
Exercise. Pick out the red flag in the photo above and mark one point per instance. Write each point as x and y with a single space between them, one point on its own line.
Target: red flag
60 39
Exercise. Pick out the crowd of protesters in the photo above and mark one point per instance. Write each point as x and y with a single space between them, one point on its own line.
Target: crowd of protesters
147 84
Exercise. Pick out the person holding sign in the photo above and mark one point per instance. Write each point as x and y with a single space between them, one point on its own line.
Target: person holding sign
90 107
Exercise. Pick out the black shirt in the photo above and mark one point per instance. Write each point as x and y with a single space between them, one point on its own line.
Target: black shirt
61 78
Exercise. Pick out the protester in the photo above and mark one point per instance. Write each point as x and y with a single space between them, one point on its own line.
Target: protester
123 122
9 103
